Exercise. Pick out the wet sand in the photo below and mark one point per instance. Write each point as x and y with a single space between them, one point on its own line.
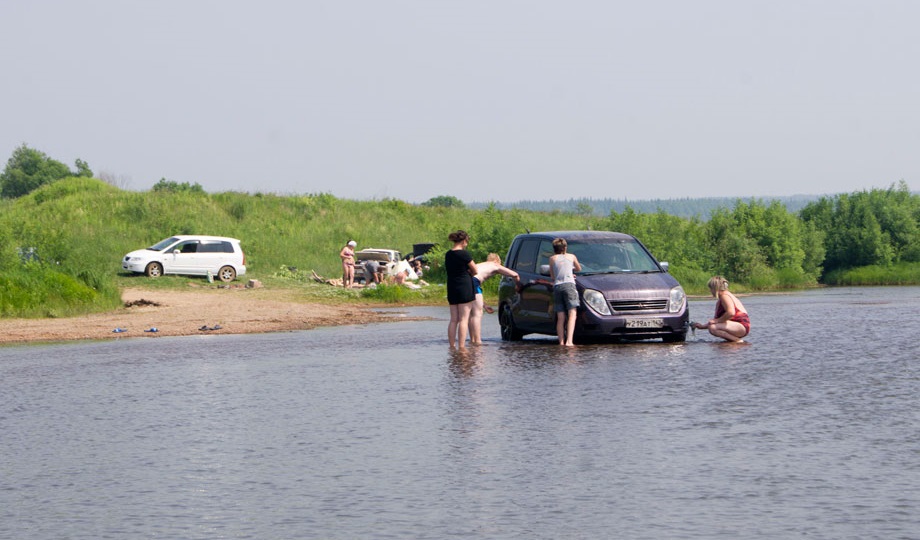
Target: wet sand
181 313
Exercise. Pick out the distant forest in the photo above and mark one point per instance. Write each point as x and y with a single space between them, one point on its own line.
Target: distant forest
700 208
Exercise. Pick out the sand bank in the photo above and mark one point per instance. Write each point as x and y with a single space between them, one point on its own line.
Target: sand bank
180 313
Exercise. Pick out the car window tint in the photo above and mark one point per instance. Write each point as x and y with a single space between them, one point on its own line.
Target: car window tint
639 259
601 257
546 251
616 256
188 247
527 256
215 247
163 244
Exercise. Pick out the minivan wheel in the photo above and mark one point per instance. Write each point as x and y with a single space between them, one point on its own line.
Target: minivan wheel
154 269
506 323
226 273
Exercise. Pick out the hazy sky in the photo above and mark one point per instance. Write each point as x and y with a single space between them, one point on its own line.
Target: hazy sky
483 100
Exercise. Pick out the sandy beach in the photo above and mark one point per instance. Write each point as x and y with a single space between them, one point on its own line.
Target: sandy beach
185 312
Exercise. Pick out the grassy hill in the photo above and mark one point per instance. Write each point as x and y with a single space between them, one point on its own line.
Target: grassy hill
77 230
61 245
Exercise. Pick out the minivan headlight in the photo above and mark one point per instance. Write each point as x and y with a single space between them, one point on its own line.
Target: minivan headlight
677 299
596 301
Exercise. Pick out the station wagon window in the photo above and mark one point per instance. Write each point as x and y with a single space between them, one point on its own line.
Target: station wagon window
215 247
187 247
163 244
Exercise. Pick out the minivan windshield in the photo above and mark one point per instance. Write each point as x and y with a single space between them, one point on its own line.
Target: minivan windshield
612 256
163 244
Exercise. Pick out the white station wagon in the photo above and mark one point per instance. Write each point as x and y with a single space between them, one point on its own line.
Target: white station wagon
189 255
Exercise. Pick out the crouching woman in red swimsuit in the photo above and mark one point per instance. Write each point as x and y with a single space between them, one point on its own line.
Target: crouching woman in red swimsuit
731 321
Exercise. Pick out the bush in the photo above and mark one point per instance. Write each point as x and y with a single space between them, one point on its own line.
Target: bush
693 280
33 290
175 187
897 274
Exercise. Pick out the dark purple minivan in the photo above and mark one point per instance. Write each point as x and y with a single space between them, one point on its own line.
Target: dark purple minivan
625 293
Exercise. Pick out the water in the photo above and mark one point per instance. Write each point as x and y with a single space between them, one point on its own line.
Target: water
379 431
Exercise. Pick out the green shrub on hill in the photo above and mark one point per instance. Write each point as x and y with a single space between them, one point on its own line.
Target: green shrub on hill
35 289
62 243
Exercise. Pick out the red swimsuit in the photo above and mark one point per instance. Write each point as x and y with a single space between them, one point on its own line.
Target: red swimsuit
739 317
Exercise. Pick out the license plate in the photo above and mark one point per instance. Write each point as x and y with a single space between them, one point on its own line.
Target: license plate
644 323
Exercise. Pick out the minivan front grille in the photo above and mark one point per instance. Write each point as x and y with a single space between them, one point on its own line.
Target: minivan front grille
638 305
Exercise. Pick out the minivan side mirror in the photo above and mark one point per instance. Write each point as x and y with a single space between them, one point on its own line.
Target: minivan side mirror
175 252
544 269
664 265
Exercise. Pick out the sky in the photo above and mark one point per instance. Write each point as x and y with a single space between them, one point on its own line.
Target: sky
498 100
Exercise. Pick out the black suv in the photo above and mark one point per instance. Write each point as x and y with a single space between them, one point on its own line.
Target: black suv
625 293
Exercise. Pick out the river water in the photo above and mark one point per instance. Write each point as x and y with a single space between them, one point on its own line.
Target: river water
811 430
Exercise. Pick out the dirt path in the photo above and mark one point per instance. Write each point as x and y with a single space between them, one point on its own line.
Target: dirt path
179 313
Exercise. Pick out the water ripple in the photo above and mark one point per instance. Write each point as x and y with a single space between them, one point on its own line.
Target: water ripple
380 431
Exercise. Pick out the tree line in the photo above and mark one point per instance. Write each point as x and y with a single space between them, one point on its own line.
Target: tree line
686 207
62 233
759 243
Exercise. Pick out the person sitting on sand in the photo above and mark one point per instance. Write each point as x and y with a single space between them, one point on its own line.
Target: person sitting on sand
416 265
484 271
404 277
401 277
731 321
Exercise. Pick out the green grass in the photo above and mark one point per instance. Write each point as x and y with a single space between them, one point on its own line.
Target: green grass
286 277
896 274
397 294
80 228
34 290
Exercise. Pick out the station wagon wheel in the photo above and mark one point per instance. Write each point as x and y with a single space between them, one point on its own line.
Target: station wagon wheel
226 273
154 269
506 323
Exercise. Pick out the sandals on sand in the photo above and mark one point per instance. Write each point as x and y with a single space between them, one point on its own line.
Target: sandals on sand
207 328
